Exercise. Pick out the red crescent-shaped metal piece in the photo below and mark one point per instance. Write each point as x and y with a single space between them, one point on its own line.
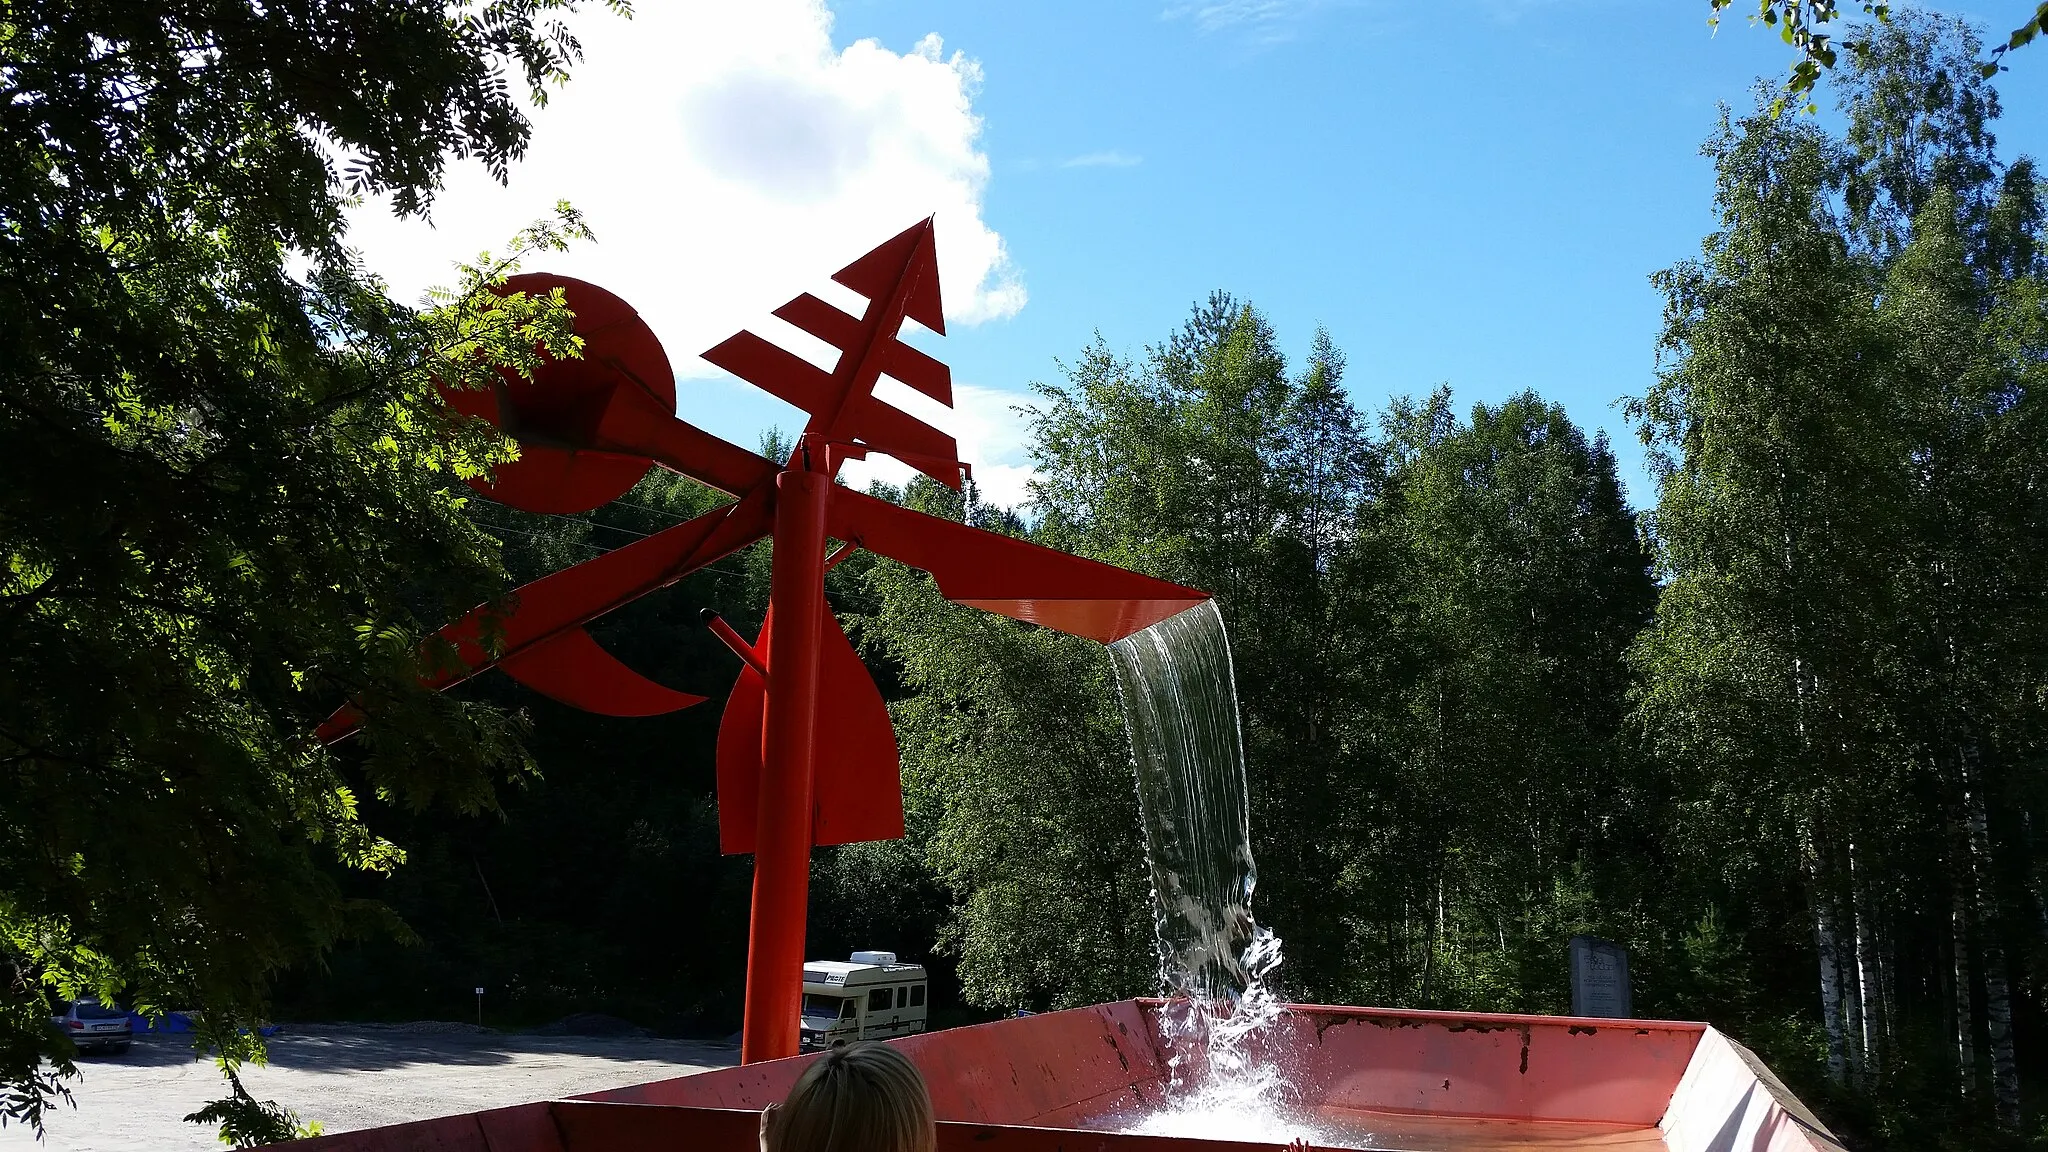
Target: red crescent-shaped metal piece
572 669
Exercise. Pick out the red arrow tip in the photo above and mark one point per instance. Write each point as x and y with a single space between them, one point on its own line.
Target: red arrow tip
909 255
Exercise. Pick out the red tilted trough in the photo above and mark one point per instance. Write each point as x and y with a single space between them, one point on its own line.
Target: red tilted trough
1065 1081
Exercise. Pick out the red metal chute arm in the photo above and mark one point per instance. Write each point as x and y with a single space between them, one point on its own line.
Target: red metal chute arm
1012 577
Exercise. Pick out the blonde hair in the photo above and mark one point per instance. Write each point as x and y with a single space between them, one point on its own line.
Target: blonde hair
865 1097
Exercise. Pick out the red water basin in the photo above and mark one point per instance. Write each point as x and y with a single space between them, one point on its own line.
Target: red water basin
1074 1081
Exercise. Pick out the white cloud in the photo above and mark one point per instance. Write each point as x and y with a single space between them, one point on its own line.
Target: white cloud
1217 15
1111 159
1258 23
729 157
992 436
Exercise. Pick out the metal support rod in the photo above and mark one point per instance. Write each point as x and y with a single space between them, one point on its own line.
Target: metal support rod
783 821
733 640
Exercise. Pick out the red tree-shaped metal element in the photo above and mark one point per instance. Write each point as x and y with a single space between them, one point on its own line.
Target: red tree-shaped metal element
590 428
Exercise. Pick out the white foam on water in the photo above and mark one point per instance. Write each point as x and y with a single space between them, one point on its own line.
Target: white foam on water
1225 1122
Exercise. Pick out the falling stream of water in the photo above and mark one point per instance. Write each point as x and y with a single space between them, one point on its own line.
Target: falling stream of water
1179 697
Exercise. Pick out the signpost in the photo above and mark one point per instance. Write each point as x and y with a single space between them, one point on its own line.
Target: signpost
1600 979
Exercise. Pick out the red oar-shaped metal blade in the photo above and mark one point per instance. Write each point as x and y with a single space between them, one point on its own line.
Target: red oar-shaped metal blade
857 793
1008 576
541 613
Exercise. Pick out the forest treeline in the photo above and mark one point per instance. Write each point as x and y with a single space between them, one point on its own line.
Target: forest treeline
1779 732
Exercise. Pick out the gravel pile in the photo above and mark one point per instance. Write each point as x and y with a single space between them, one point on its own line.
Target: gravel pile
592 1024
425 1028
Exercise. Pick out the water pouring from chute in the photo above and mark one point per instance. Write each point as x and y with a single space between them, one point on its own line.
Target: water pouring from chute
1178 689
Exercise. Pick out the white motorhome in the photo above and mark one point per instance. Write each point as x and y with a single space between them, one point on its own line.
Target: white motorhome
867 997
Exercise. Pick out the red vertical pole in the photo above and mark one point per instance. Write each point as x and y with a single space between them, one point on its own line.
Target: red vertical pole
782 831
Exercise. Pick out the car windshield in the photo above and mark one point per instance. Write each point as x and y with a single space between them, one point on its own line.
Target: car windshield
830 1007
88 1010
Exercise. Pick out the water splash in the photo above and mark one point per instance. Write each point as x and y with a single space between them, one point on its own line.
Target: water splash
1179 695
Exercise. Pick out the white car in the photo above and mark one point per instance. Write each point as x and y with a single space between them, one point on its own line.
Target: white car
91 1024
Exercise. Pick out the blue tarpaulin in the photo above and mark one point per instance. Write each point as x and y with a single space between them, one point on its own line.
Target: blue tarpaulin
179 1022
170 1022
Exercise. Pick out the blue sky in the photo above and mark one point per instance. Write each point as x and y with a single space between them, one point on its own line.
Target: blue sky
1472 192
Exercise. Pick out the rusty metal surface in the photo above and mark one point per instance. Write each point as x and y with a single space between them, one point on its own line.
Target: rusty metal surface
1021 1071
522 1128
1085 1065
1037 1069
587 1125
1548 1068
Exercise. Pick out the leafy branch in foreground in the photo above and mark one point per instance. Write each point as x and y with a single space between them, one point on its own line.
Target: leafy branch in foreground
230 495
1806 25
246 1122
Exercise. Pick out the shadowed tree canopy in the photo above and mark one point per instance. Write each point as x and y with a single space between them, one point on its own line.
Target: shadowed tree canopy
229 495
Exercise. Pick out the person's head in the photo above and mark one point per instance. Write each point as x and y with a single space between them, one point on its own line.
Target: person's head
865 1097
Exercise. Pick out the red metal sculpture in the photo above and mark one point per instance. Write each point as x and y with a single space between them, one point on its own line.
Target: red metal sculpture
590 428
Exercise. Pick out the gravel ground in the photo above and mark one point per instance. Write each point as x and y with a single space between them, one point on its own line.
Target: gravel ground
349 1077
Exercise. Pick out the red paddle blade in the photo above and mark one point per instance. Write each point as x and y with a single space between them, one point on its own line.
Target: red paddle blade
740 756
556 415
900 278
857 787
571 669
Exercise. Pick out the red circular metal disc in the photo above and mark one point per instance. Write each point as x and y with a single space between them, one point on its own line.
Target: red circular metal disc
553 415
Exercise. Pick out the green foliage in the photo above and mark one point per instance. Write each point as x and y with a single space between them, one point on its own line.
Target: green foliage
32 1069
1843 676
1807 25
232 498
1207 464
1427 629
573 892
1003 729
1803 24
246 1122
1493 586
